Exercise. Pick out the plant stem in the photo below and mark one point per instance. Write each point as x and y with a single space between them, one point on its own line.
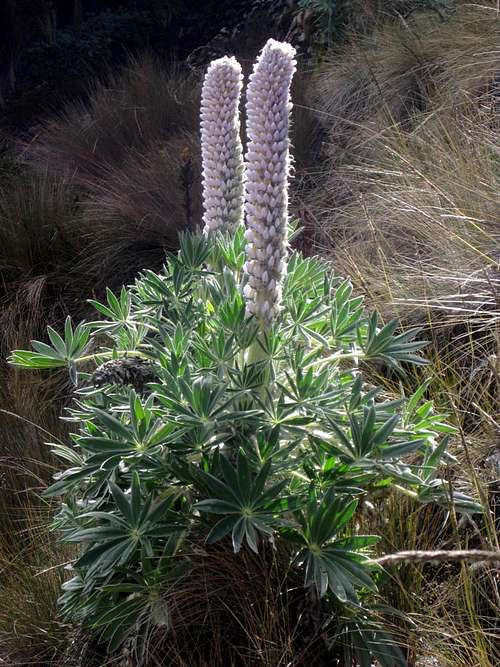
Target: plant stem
335 357
104 355
440 556
406 492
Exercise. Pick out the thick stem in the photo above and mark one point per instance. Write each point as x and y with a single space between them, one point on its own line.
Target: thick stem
255 354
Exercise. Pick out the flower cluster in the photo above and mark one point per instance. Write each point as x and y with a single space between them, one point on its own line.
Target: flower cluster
221 149
267 163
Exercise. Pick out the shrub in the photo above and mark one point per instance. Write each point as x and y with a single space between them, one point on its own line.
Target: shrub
224 416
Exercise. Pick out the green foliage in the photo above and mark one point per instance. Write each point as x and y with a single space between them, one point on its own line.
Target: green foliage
255 436
332 19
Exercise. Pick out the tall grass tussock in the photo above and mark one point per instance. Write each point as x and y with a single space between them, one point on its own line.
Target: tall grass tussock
409 203
408 207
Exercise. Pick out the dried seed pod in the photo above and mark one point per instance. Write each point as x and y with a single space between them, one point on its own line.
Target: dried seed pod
122 372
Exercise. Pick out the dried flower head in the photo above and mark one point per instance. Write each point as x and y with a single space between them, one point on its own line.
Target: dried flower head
266 180
221 149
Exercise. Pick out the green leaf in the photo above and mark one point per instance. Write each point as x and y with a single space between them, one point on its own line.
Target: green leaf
401 449
238 533
222 528
122 502
217 506
111 423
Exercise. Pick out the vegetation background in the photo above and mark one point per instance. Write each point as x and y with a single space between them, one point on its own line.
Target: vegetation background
396 180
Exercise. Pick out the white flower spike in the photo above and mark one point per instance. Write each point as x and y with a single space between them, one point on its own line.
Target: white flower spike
221 149
267 163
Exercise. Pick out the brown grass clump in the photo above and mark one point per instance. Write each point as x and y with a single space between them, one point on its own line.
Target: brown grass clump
136 210
402 68
127 114
131 153
450 610
38 218
31 574
237 609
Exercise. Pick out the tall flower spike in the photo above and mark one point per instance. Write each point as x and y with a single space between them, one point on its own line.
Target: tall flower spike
266 180
221 149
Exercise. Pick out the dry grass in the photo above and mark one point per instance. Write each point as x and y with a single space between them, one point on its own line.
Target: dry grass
451 610
137 209
405 67
407 205
126 115
238 609
31 574
38 217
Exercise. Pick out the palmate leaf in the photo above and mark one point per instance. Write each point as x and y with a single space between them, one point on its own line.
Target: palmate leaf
117 537
130 606
346 313
69 479
248 507
62 353
383 345
304 275
116 622
229 250
369 440
331 561
422 480
194 250
117 311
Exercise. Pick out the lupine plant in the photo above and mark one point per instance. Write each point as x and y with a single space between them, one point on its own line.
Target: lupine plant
225 400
